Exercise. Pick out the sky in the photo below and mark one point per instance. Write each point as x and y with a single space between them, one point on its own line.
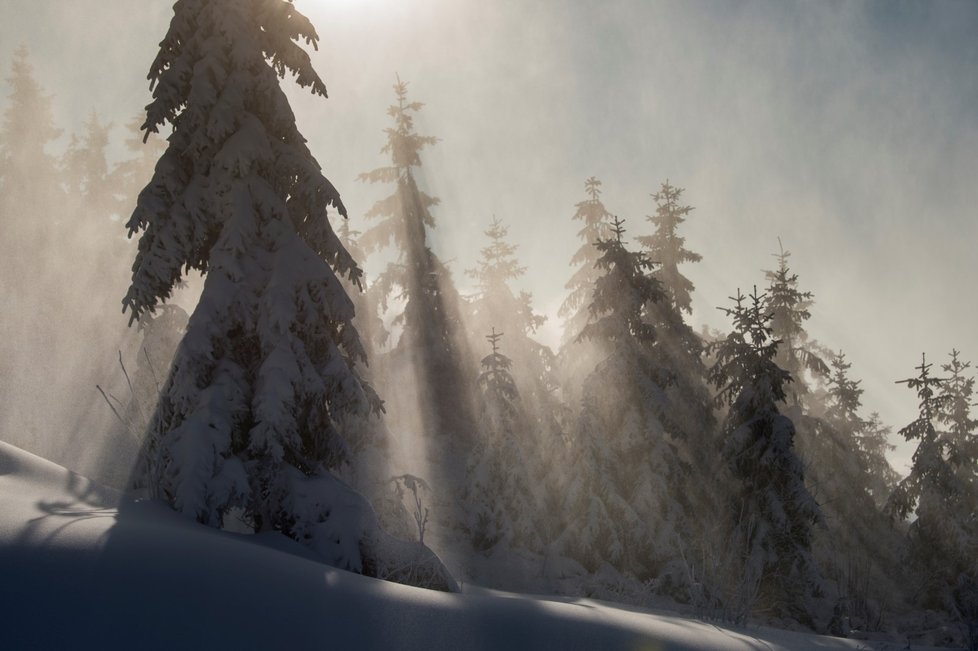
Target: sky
847 129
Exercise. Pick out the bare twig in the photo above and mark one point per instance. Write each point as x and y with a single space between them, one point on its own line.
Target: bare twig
112 407
152 371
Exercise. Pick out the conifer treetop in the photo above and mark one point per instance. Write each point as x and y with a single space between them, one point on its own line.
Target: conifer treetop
926 387
596 227
216 82
622 294
845 393
957 399
746 357
929 466
789 305
498 262
789 308
493 338
667 248
404 216
497 381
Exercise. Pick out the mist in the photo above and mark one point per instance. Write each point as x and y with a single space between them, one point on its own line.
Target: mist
843 132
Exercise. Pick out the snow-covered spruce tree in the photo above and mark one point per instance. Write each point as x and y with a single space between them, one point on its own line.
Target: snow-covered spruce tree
623 493
789 308
247 416
667 248
431 341
500 504
679 348
771 509
942 489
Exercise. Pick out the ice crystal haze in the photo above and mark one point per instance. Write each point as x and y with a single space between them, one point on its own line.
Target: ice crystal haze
247 419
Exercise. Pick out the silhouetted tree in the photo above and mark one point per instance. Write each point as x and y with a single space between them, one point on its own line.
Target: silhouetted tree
959 535
773 511
622 498
247 417
930 468
942 489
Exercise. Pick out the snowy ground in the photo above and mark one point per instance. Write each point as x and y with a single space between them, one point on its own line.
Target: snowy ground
82 567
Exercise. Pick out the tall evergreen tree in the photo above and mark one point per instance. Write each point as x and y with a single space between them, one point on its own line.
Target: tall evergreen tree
789 308
774 512
942 490
667 248
431 340
500 504
623 498
930 469
596 226
960 539
960 429
247 417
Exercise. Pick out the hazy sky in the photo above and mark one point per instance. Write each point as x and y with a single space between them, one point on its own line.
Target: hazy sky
849 129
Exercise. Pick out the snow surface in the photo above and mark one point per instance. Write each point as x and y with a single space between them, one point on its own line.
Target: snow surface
82 566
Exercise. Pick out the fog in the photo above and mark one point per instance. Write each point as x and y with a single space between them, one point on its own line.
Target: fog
847 130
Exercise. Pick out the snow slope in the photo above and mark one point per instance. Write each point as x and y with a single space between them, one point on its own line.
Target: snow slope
83 567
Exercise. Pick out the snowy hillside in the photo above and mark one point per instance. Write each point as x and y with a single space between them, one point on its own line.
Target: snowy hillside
84 568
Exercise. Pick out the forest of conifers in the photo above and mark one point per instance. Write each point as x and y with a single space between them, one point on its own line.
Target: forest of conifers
405 430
